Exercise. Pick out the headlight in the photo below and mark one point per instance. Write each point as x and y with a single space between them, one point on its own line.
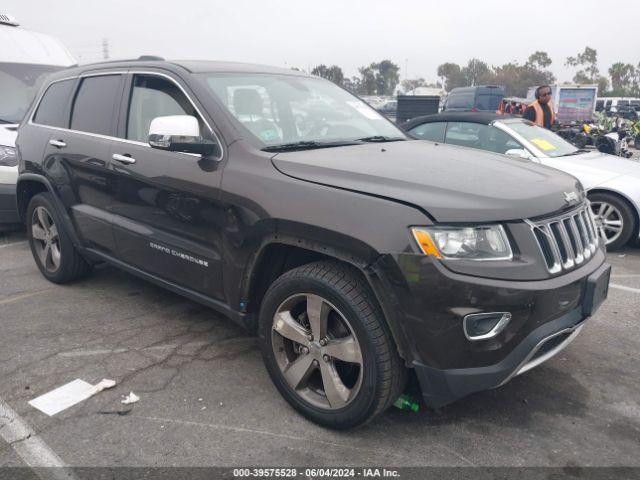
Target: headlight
485 242
8 157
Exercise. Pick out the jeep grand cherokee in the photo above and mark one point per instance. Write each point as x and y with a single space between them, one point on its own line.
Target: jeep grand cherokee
298 211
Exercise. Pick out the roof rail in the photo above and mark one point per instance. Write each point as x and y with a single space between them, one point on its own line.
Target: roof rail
8 20
150 58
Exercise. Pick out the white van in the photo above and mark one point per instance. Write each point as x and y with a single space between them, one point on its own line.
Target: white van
25 59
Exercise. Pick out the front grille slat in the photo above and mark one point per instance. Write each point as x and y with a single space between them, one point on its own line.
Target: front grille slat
568 240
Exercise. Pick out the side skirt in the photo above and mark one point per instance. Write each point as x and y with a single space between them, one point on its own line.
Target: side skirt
238 317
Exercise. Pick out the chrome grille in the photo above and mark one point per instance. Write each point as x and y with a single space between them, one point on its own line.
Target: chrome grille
568 240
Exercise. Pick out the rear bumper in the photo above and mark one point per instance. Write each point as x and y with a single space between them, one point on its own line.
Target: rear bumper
8 206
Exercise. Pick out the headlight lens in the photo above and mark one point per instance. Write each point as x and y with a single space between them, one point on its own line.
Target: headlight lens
484 242
8 157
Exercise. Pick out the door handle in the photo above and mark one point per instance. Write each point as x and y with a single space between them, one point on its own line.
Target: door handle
58 143
127 159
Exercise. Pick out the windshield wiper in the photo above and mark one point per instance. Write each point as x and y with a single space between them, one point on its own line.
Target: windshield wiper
305 145
2 120
380 138
577 152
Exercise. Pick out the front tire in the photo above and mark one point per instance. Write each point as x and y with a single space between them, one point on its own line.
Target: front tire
614 216
327 347
52 248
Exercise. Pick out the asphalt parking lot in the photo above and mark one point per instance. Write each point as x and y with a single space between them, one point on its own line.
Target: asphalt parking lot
206 399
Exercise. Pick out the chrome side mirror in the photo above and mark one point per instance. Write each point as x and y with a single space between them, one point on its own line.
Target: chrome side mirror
180 133
518 152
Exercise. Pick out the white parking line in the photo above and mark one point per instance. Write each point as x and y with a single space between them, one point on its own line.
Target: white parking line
625 288
30 447
12 244
22 296
105 351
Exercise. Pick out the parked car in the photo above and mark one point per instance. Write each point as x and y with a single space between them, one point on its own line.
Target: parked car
482 98
25 58
354 252
612 182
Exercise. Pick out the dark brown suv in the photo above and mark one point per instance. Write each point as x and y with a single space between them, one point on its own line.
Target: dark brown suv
357 254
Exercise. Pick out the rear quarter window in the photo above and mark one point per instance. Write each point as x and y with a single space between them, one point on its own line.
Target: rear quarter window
52 110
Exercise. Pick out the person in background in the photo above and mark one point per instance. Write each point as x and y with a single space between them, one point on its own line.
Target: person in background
540 112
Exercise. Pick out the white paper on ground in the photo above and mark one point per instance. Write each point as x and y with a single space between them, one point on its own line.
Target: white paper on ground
131 398
68 395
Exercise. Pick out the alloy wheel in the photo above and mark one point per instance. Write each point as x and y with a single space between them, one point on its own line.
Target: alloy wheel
317 351
609 220
46 239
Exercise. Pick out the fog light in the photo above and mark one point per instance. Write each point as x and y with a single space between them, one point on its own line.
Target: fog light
482 326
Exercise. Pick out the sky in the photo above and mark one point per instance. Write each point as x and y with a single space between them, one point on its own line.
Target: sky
418 35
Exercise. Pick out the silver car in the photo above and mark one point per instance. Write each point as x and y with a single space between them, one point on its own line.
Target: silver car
612 183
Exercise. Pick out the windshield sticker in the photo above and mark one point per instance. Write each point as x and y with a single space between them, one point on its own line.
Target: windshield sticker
269 135
545 145
364 110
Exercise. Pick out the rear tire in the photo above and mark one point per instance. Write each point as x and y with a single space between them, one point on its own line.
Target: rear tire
52 248
615 216
338 294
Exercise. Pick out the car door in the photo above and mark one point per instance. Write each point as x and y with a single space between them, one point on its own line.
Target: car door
166 211
77 157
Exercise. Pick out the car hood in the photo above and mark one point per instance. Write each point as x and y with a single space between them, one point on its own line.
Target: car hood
8 134
595 168
452 184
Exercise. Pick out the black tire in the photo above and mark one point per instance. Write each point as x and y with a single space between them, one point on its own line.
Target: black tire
629 221
383 375
70 265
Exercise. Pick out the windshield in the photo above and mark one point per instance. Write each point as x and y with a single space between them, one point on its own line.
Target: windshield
18 85
547 142
284 109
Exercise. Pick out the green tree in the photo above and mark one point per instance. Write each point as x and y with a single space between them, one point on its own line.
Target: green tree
452 75
412 83
588 62
538 60
476 72
333 73
367 83
622 76
379 78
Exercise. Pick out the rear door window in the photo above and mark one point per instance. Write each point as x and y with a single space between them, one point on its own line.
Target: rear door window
95 104
430 131
460 101
52 110
488 102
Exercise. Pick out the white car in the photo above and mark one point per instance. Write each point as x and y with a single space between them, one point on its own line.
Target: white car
612 183
25 59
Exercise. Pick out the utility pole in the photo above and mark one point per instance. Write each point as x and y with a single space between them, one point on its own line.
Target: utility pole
105 49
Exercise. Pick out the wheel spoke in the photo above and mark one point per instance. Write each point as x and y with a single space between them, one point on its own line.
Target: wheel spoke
44 255
297 372
55 255
337 393
318 313
345 349
37 232
286 326
53 231
601 209
613 228
43 219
